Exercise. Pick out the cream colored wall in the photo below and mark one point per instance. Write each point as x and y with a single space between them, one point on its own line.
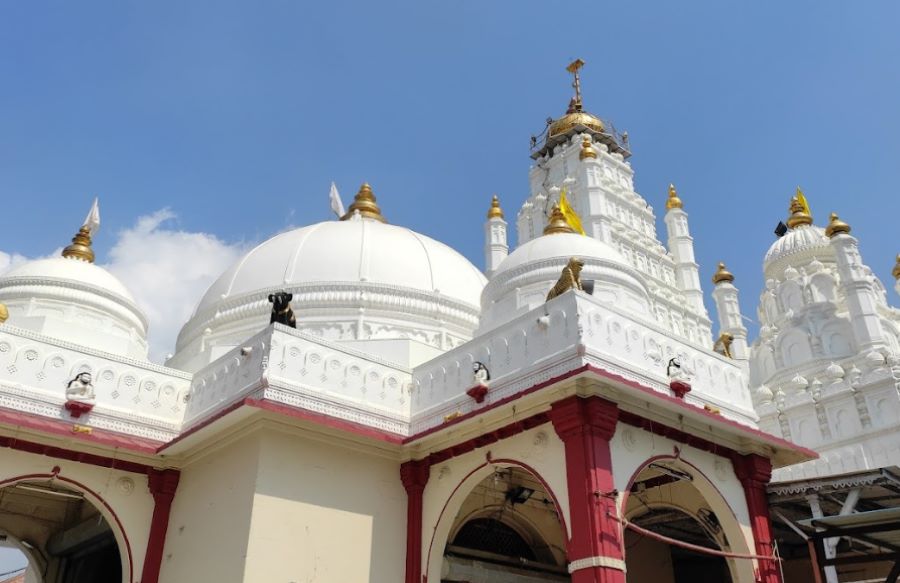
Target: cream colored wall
209 524
125 493
324 512
713 476
452 481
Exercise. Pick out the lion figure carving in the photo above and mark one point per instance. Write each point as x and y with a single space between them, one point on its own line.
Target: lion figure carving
569 279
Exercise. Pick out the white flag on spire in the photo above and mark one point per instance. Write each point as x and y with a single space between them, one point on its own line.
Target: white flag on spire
92 221
336 205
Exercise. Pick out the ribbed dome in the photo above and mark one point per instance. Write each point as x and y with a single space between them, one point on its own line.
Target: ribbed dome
575 119
403 281
798 246
522 280
76 301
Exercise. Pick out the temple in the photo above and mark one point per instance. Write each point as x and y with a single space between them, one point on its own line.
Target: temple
565 413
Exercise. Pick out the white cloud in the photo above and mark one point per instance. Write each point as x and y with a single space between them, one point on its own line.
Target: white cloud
168 270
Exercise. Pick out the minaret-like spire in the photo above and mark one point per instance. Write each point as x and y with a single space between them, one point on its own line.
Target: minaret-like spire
573 68
681 246
364 202
557 223
496 247
81 243
800 213
729 311
856 282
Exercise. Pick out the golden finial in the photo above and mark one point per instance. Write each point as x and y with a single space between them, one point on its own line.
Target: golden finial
80 247
836 226
557 223
587 150
495 212
4 313
364 202
722 275
673 202
573 68
896 272
799 211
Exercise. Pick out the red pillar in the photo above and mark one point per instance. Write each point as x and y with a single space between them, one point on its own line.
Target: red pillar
162 484
754 472
414 475
595 549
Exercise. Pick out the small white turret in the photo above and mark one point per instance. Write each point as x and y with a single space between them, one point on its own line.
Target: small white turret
496 247
681 246
857 284
729 311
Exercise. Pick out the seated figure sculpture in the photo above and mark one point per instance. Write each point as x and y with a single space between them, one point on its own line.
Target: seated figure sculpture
80 395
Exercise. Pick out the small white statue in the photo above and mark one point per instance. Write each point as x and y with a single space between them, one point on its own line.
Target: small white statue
80 388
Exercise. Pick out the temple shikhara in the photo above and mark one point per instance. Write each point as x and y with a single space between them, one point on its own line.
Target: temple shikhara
353 401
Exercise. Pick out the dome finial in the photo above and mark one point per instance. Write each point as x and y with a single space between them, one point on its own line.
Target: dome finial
81 243
495 212
557 222
673 202
722 275
587 150
896 271
573 68
800 213
836 226
364 202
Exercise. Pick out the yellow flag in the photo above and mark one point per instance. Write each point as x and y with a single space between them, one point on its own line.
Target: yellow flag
802 200
572 217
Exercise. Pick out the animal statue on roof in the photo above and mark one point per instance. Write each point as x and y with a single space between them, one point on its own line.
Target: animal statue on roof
569 279
723 345
281 309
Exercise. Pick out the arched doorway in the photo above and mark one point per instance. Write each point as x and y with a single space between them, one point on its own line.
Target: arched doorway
507 530
671 499
64 536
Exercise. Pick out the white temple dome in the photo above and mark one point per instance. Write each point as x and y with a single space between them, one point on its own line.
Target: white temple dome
352 280
799 246
76 301
522 280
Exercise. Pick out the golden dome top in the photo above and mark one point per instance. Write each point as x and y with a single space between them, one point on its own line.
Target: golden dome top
587 150
722 275
364 202
495 212
574 117
673 201
557 223
81 246
835 226
800 214
896 271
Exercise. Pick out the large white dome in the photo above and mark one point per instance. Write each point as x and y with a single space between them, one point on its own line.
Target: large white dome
352 280
797 247
522 280
76 301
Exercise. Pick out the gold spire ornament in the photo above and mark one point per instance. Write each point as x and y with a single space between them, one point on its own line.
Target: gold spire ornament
896 271
587 150
722 275
799 212
836 226
4 313
673 202
81 243
495 212
573 68
364 202
557 223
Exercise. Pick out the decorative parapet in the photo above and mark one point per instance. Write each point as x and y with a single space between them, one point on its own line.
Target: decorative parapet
565 334
130 396
294 368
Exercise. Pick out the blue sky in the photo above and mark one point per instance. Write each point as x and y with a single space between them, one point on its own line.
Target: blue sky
236 116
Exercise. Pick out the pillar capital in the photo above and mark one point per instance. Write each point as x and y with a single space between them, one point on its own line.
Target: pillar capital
163 482
414 474
752 468
575 416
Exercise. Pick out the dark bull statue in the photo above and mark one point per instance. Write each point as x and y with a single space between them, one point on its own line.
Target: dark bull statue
281 309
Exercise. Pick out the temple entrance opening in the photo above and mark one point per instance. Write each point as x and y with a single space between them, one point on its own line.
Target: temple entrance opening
63 536
677 525
506 531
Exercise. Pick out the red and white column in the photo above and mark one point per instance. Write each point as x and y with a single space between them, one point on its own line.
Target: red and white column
162 484
754 472
595 550
414 475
